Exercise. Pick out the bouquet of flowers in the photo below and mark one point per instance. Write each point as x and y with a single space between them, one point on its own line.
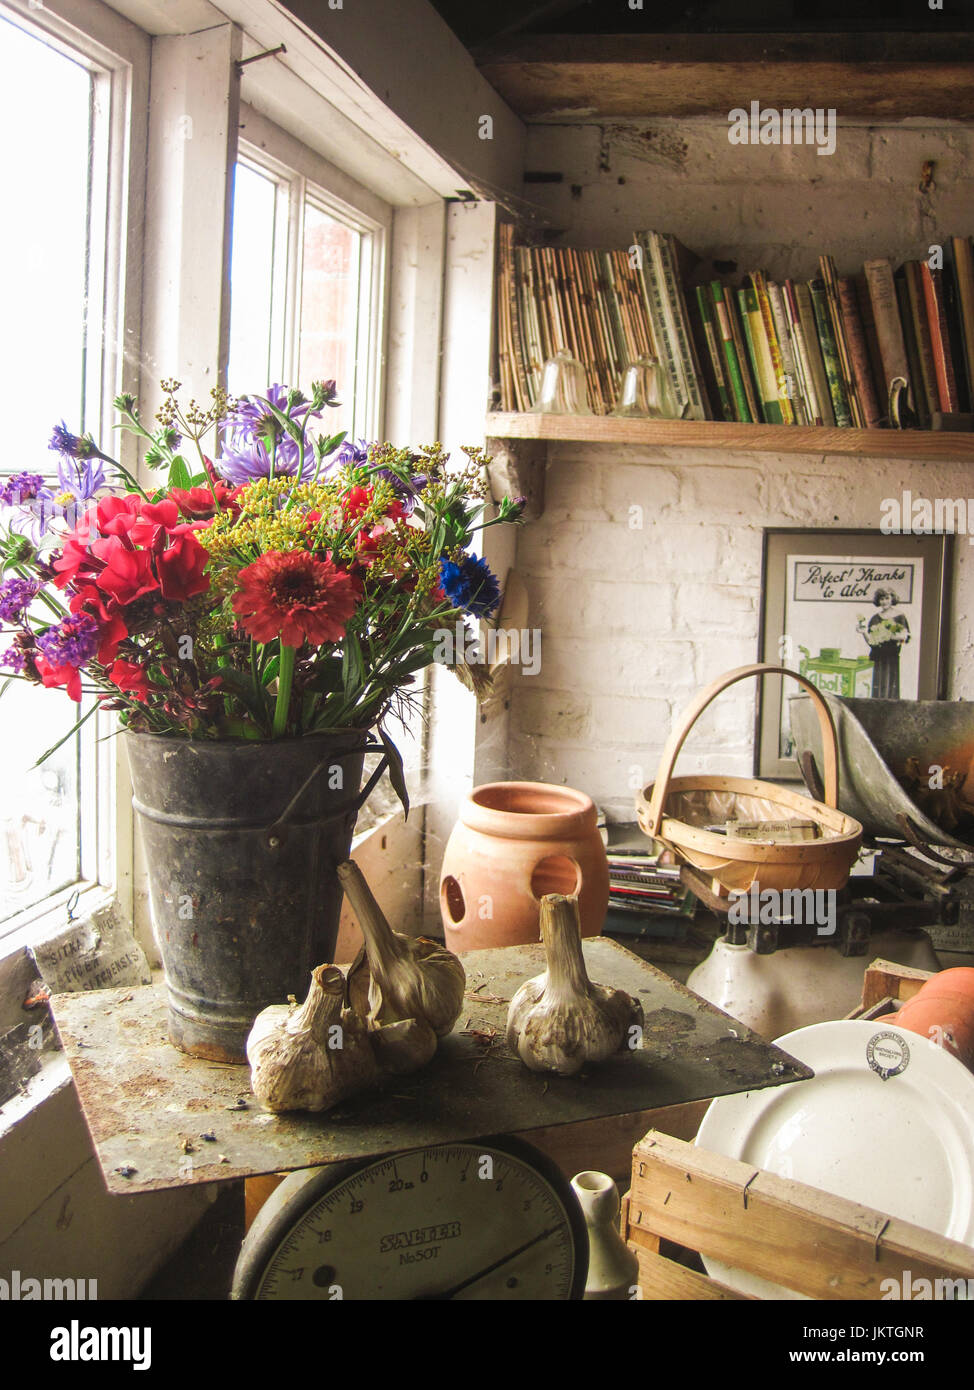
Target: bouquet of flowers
293 584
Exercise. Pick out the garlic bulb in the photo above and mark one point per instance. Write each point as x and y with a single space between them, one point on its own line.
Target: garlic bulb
310 1056
560 1020
404 1046
410 977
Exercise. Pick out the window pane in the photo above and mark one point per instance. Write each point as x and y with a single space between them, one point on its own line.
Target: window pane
329 341
258 268
45 98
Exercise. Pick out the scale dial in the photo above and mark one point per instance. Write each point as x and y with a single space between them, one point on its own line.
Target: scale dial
490 1220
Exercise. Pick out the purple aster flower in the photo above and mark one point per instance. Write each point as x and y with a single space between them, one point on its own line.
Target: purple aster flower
354 453
16 596
30 501
246 460
13 659
470 585
71 642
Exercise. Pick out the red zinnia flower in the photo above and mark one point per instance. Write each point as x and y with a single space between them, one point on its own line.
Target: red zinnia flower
293 596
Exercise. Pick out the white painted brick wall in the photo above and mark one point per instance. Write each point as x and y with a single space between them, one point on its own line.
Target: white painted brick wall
634 622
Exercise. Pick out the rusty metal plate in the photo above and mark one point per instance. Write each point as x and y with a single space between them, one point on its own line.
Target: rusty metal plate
148 1107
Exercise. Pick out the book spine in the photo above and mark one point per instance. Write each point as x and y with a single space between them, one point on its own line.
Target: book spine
830 356
964 266
543 301
610 293
927 386
761 363
829 279
740 347
789 359
714 350
872 342
535 355
519 364
773 348
889 331
813 351
955 328
858 353
503 328
812 405
742 411
700 404
912 352
652 285
939 339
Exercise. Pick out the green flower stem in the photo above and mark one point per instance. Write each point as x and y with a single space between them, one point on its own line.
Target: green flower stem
285 679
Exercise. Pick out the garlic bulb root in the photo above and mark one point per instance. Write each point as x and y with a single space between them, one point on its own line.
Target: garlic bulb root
313 1055
561 1020
410 977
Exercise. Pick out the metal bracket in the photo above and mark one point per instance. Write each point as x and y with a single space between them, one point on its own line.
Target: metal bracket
241 63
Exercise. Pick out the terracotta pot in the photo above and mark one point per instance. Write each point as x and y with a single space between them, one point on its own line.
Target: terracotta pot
943 1015
514 842
959 981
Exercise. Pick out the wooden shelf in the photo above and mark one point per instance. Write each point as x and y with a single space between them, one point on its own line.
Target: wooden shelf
864 76
925 445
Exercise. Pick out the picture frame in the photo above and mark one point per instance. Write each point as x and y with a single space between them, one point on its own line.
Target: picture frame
859 613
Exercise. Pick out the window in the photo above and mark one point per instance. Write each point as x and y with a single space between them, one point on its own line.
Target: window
61 251
306 281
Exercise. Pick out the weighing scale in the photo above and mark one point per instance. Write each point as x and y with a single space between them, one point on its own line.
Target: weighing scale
160 1119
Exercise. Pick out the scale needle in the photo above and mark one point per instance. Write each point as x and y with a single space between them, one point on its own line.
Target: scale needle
489 1269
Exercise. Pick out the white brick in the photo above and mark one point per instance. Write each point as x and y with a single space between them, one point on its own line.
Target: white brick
630 721
719 493
573 488
575 545
622 665
639 610
656 490
702 607
552 714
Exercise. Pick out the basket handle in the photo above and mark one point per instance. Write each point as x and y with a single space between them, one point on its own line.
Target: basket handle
694 710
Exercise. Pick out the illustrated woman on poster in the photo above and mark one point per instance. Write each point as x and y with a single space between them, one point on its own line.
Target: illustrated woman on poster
885 633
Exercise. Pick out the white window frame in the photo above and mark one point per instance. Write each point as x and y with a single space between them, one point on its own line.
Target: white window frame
118 53
311 178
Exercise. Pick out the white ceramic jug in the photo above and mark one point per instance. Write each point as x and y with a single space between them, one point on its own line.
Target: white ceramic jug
613 1270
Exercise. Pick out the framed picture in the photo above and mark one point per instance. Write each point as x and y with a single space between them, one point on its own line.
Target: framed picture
859 614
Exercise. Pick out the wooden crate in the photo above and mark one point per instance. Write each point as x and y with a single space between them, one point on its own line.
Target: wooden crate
885 981
784 1231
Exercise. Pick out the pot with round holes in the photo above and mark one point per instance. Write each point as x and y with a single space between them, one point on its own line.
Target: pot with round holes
513 843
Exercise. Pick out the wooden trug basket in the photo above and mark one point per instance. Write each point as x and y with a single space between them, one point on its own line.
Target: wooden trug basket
676 810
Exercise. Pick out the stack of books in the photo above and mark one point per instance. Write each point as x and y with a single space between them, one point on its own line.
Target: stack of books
642 889
824 351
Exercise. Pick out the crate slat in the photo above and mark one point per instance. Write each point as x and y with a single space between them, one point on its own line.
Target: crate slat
824 1246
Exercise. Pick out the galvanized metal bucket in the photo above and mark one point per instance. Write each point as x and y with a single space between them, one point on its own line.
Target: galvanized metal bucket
241 844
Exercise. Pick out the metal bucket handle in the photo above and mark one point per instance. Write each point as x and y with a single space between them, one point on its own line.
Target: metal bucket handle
276 834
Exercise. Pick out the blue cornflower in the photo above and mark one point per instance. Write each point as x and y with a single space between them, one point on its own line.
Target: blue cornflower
16 595
470 585
71 642
75 446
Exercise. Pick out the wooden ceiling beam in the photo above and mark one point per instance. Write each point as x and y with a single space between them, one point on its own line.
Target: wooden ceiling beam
863 76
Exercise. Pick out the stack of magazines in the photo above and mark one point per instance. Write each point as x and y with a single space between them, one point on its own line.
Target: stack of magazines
646 898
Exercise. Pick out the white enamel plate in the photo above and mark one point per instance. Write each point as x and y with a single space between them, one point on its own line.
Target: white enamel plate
887 1121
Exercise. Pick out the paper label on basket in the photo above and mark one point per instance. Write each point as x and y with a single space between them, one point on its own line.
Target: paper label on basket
782 832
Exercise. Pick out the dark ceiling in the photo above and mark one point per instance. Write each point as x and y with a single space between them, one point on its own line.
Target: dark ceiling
478 22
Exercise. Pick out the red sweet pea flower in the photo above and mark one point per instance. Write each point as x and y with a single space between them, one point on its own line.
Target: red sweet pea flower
112 629
295 597
68 676
155 519
129 676
181 568
117 515
356 502
198 503
127 574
